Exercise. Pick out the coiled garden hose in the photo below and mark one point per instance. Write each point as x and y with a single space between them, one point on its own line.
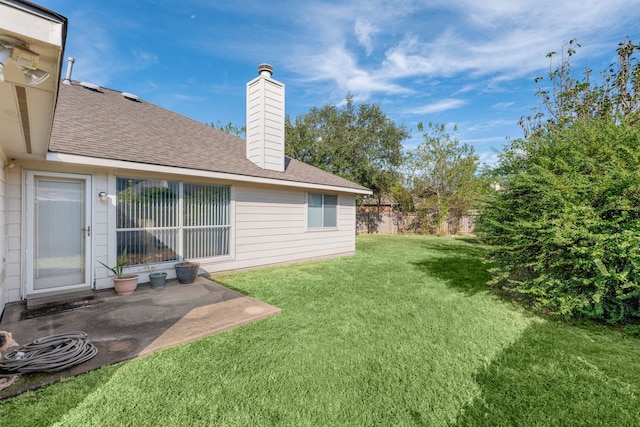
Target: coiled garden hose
48 354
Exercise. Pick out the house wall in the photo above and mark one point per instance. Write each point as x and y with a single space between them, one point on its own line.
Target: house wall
14 282
270 226
4 296
13 268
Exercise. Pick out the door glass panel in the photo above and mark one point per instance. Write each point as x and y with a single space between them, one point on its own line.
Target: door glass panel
59 233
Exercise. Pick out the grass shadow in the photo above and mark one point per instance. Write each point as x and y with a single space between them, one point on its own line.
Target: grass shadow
229 286
63 395
562 371
461 267
464 274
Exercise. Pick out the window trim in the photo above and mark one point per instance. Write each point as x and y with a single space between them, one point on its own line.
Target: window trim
180 227
323 227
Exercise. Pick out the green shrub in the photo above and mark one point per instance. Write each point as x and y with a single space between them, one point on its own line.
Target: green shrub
565 228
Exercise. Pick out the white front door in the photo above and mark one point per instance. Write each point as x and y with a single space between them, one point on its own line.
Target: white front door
58 234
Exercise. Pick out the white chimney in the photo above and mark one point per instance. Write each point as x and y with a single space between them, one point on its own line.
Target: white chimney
265 120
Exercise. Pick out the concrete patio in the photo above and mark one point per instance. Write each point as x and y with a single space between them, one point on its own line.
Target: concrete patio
126 327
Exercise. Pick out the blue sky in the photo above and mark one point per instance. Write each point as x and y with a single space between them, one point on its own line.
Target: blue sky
465 62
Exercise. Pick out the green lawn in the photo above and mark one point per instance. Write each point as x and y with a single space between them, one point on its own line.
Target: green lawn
402 333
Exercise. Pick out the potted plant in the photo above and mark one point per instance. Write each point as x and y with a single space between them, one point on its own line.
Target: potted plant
124 284
187 271
157 279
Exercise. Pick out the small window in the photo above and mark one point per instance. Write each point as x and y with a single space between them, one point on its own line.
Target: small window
322 211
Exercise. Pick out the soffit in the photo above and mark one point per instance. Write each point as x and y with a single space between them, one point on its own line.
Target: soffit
26 113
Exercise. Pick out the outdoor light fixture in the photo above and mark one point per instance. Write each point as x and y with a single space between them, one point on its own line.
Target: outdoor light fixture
17 51
102 196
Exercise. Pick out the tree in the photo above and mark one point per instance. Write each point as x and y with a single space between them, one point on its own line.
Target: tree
229 128
564 230
403 198
442 175
568 98
357 142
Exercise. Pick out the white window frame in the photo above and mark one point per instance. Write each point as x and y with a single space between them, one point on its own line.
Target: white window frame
323 227
180 227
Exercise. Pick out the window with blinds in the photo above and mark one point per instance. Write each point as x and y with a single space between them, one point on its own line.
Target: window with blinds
160 220
206 222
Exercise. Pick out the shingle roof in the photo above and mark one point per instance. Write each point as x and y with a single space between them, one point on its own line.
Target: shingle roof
107 125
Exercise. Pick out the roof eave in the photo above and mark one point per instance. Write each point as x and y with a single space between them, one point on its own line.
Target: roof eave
121 164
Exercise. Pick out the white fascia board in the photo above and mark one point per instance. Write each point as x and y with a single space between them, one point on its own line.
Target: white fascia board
121 164
27 23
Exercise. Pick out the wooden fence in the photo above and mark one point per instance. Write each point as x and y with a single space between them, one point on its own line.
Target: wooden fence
397 223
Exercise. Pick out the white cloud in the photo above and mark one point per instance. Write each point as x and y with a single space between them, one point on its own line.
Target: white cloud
364 33
437 107
493 40
341 66
406 59
489 158
503 105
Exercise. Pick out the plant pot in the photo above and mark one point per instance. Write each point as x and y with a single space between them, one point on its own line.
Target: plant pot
186 272
157 280
126 285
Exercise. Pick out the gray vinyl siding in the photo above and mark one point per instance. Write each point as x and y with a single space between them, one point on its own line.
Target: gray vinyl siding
13 225
265 123
271 227
3 238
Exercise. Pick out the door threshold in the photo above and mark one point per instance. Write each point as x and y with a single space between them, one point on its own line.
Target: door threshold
50 299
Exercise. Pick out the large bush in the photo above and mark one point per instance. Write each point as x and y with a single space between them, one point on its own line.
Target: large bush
565 226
